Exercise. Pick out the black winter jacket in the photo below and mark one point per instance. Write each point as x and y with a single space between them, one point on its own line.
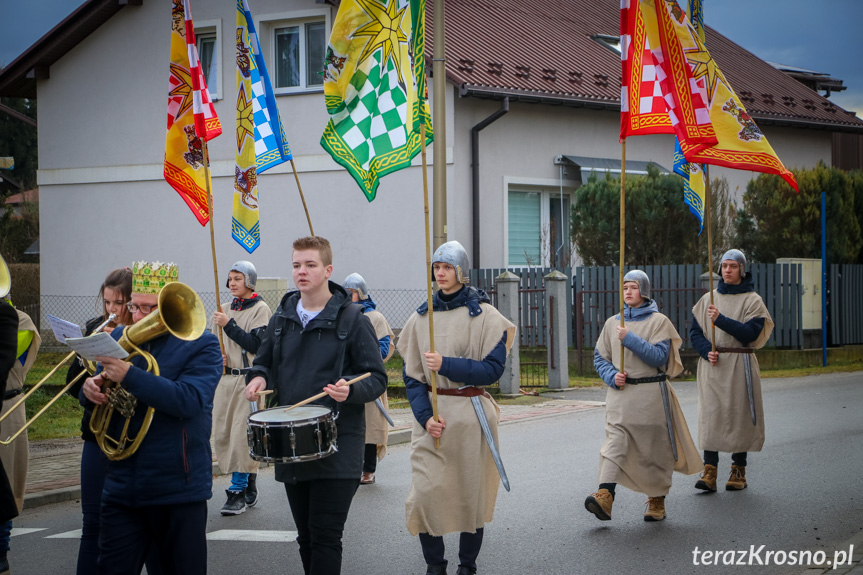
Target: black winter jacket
308 360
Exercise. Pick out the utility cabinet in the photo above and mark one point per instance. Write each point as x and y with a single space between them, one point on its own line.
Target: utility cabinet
810 305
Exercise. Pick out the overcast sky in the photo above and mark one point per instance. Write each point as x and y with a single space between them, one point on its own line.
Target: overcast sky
823 36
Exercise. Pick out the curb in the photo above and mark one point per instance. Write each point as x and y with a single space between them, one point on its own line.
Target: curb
50 496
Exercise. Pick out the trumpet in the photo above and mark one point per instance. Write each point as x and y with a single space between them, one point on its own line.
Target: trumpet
181 313
89 369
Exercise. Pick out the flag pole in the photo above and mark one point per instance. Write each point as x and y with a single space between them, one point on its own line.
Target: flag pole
622 234
428 273
709 249
302 197
212 235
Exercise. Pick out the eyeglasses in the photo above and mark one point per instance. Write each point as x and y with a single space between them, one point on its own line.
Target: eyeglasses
132 307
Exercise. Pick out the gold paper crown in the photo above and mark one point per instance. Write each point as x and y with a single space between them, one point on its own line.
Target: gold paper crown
150 278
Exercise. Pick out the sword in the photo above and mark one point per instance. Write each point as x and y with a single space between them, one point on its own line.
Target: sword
489 438
668 421
747 370
386 415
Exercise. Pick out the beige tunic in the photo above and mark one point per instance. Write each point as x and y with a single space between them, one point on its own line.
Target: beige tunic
724 419
377 428
16 457
453 488
637 451
231 409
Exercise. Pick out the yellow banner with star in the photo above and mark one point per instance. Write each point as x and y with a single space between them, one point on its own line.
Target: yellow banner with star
741 144
245 219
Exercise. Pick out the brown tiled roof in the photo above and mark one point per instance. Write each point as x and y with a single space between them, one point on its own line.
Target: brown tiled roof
542 51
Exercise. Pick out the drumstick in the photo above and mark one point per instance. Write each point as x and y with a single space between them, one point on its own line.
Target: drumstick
261 398
323 393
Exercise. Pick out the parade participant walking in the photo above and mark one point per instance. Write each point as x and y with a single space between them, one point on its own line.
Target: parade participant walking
243 320
453 487
158 495
16 456
730 410
646 435
317 339
377 424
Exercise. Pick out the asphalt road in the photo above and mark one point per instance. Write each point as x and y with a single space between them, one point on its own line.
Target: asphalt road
803 495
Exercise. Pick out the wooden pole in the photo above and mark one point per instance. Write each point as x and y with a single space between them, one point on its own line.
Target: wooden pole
709 249
323 393
622 235
212 236
302 197
428 272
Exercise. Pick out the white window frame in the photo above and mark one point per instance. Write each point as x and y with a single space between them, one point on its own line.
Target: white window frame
267 25
209 28
549 190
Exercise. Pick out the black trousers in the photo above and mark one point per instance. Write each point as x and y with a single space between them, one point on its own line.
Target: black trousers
469 545
370 458
179 531
320 509
712 458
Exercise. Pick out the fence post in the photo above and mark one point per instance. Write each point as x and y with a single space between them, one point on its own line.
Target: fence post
558 358
507 304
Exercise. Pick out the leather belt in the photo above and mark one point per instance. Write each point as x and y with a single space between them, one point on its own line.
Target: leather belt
10 393
651 379
735 349
235 371
469 391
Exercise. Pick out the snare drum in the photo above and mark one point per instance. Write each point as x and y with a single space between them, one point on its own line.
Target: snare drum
304 433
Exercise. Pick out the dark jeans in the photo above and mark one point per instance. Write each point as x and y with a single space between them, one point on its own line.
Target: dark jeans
179 531
320 509
712 458
370 458
469 545
93 467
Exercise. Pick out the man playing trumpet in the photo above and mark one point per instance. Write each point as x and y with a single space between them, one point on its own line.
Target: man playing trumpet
158 495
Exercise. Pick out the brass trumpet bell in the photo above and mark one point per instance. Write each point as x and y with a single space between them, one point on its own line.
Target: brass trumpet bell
181 313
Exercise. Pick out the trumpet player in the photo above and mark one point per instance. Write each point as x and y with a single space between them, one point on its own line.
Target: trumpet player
157 496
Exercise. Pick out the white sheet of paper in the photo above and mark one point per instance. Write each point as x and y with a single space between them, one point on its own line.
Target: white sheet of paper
98 344
63 329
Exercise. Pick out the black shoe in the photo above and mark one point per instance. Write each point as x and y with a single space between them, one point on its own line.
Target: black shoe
252 490
436 569
464 570
236 503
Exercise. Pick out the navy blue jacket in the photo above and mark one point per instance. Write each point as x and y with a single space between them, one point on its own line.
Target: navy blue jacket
174 463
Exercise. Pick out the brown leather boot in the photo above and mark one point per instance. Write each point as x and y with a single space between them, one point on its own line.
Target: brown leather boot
737 481
655 509
708 479
599 504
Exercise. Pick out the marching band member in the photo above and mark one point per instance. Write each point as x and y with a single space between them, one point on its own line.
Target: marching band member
730 410
376 411
453 488
243 321
646 435
158 495
318 339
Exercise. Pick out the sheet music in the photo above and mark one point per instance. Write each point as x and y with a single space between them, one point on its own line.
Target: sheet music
99 344
63 329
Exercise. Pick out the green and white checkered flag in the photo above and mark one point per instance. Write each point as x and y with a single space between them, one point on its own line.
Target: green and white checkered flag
375 89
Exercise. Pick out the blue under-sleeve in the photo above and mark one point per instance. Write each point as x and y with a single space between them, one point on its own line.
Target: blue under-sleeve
473 372
384 342
418 396
745 333
605 369
700 343
654 355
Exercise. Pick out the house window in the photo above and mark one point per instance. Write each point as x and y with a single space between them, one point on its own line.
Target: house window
207 34
538 228
610 42
299 55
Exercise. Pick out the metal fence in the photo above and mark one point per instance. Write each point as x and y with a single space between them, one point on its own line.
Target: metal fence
532 313
845 304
